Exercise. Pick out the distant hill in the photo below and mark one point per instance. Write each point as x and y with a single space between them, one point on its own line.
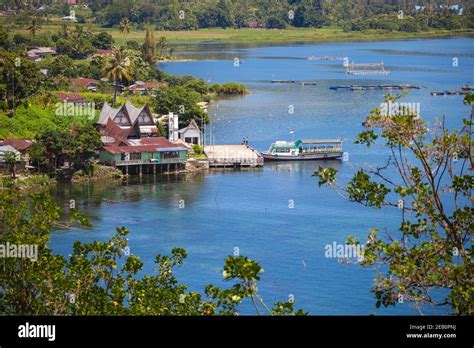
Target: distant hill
351 15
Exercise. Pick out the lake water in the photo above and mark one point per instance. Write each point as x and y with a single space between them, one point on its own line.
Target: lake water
277 215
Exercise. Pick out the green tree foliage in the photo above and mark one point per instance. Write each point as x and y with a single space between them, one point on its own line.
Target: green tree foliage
428 261
125 26
229 88
30 121
35 25
37 155
20 79
102 40
6 41
275 13
308 14
102 278
182 101
85 142
55 142
148 47
162 44
11 159
77 45
62 65
118 67
78 144
160 130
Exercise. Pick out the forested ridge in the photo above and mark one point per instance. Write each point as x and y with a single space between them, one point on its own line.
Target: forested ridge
351 15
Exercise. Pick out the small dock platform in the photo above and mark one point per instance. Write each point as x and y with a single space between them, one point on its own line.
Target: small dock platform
232 156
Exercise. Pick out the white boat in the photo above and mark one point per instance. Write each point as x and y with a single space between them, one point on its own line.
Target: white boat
299 150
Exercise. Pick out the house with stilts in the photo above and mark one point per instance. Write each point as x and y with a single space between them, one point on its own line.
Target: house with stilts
130 143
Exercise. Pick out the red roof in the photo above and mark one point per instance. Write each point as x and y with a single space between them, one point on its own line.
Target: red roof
130 149
100 51
70 97
84 81
146 145
17 144
118 142
159 141
147 85
118 134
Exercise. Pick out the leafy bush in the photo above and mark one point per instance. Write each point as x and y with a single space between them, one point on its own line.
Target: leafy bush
229 88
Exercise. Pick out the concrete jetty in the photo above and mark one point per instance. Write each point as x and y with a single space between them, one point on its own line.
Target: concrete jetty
232 156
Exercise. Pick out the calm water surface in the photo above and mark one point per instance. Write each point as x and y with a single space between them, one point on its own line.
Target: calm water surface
249 209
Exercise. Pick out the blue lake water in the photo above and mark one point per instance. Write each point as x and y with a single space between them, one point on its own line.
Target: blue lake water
278 215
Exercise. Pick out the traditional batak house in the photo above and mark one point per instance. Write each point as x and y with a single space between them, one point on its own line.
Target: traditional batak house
130 143
128 116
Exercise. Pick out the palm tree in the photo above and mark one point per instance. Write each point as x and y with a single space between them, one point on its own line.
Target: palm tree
118 67
125 26
34 26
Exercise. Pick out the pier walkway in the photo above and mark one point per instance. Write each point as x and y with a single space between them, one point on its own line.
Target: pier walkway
232 156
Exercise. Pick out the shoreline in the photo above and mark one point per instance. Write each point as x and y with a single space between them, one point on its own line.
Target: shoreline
292 35
177 60
260 35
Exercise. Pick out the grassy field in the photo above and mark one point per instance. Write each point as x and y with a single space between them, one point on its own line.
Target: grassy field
282 35
263 35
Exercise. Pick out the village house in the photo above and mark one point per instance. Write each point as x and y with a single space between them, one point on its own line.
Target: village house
100 52
130 143
36 53
141 87
20 145
71 97
254 24
4 149
140 120
82 83
191 134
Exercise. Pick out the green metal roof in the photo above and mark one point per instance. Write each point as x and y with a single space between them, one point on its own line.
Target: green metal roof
285 145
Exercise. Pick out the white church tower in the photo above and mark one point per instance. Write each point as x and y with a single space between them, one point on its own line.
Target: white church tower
173 127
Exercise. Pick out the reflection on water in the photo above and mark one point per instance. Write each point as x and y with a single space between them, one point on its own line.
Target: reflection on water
302 166
167 189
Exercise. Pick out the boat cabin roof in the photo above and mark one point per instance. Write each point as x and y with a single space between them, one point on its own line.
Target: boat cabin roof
321 141
299 142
